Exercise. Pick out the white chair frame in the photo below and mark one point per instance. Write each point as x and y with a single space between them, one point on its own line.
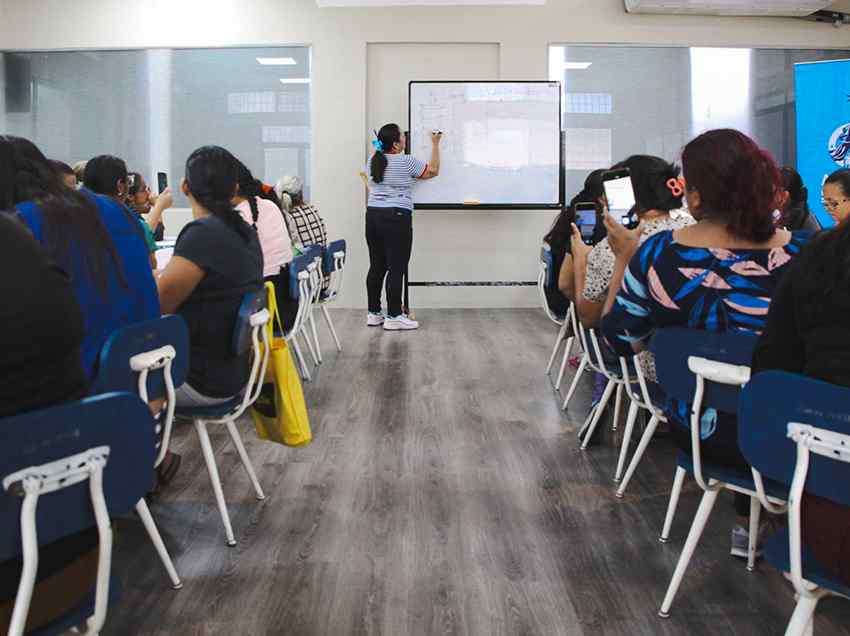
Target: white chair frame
616 385
732 375
834 446
305 296
640 400
565 325
143 363
317 279
334 287
40 480
259 363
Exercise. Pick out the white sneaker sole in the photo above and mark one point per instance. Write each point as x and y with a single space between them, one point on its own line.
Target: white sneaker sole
374 324
389 326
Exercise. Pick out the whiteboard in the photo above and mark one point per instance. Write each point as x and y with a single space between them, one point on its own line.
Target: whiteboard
500 147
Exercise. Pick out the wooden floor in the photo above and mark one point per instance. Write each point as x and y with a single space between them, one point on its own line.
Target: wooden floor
444 494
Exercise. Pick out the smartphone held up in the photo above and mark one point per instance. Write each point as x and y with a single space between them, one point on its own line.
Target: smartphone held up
620 195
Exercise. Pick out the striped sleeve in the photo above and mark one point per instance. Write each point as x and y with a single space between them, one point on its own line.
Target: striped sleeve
415 167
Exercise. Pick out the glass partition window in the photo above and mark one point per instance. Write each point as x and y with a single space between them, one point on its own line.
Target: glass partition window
625 100
154 107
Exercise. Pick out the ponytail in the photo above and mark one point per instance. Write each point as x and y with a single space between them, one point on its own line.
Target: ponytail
378 166
223 209
387 137
211 176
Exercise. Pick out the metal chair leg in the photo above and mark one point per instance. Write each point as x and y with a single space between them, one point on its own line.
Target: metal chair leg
574 385
755 516
802 620
302 363
641 449
703 513
627 439
303 333
209 458
618 403
591 426
315 337
243 455
330 323
564 361
678 482
153 532
561 337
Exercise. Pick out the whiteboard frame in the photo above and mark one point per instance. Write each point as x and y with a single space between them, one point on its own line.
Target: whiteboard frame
496 206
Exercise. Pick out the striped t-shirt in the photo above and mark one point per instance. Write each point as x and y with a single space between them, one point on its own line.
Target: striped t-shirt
395 190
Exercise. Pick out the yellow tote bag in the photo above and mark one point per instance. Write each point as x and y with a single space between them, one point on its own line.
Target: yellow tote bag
280 413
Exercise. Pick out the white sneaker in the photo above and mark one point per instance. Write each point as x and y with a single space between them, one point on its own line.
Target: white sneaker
400 323
374 320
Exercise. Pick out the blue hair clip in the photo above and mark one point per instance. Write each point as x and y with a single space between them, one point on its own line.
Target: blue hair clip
379 145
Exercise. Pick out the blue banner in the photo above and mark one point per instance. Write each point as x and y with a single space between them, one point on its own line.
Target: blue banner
823 126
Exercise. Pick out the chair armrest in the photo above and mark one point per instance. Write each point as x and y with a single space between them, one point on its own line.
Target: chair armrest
720 372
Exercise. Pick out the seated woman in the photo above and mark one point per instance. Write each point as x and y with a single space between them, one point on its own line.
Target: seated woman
794 203
147 206
108 176
808 332
257 210
558 237
40 366
306 226
657 192
91 238
718 275
217 260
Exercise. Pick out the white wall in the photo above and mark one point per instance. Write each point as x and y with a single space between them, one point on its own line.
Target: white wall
339 38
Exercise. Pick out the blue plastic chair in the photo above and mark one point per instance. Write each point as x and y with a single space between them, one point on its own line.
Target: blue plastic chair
546 281
66 469
248 332
150 359
301 288
333 265
796 431
707 370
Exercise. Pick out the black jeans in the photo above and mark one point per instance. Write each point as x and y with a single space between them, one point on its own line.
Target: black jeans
389 235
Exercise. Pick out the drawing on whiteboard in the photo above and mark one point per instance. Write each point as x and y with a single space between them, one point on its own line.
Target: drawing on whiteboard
501 141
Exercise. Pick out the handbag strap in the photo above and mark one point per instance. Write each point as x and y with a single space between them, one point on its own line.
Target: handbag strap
273 310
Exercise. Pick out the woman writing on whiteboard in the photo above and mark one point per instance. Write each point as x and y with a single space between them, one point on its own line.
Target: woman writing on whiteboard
389 222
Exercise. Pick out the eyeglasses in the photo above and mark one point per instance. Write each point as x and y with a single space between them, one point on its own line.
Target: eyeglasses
829 204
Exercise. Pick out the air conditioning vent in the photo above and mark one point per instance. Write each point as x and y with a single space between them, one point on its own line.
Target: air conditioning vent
781 8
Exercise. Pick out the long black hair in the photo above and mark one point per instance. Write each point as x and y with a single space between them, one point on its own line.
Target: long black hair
388 135
797 209
70 217
650 176
212 178
559 233
103 173
250 188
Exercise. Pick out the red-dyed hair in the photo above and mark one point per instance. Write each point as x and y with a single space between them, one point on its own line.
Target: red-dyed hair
737 181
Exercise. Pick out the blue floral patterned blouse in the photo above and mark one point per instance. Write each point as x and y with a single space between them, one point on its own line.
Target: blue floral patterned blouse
672 285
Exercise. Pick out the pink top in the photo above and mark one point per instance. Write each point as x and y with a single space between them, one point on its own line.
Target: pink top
274 239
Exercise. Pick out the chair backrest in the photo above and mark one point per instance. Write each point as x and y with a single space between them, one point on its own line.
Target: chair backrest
334 257
297 265
252 303
147 337
248 334
673 346
547 265
769 403
120 421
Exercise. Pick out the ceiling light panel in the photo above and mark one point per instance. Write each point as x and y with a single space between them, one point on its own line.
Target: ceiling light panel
786 8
